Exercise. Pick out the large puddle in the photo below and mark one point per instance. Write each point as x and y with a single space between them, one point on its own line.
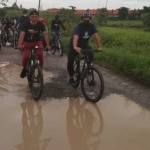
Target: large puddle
115 123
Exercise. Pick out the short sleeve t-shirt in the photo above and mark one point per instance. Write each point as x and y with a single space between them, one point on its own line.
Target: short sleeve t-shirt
32 32
84 33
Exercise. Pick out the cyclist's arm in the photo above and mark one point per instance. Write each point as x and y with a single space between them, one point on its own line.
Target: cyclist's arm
97 39
3 26
45 35
75 43
17 22
62 25
21 38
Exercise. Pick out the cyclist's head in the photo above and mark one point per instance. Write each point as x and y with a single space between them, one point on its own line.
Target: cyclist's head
56 17
86 18
34 16
25 13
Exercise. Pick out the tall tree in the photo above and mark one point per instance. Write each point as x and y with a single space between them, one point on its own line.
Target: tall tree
3 2
102 15
123 13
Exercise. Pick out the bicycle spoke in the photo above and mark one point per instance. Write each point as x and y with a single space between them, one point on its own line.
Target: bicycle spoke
37 83
92 85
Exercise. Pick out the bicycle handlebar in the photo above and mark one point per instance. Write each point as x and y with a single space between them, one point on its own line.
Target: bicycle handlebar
90 50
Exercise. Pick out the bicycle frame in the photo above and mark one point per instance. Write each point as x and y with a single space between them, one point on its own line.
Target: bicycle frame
85 65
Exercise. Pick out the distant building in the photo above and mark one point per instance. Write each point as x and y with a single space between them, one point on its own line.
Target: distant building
15 6
111 13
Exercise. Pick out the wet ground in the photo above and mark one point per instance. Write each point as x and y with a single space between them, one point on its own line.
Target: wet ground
62 119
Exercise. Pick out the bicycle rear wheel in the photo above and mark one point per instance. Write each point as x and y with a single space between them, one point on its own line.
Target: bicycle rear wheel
36 82
60 48
92 85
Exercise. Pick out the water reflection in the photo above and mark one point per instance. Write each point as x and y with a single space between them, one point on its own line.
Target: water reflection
32 122
84 125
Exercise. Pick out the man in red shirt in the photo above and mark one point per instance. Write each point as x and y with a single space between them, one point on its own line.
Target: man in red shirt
30 37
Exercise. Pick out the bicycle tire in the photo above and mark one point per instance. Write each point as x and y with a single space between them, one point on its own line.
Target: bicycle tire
40 77
15 41
76 75
11 38
53 50
3 40
60 48
92 68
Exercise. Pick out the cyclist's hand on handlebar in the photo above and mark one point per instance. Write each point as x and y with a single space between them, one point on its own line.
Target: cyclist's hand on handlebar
100 49
20 47
77 49
48 47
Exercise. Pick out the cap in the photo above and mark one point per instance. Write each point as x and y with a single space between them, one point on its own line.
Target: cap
34 12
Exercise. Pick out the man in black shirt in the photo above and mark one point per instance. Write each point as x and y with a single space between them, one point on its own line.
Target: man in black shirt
30 37
80 40
55 28
24 18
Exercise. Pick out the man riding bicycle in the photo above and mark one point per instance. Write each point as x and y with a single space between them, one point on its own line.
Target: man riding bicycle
80 40
55 27
5 27
30 37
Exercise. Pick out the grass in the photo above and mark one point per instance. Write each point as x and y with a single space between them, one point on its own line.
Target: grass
126 51
125 23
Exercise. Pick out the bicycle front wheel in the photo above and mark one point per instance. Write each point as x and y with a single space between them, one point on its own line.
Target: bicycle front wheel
92 84
76 74
36 82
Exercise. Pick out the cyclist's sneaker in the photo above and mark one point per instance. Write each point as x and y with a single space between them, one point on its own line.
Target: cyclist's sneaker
71 80
23 73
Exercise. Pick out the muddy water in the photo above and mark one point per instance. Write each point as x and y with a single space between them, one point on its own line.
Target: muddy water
115 123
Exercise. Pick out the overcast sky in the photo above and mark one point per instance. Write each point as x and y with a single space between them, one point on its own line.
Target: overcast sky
82 4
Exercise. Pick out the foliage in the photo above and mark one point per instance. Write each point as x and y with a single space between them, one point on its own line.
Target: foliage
102 16
3 2
123 13
134 15
146 17
2 12
13 13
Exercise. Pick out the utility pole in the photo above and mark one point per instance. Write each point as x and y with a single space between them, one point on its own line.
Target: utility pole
39 6
16 1
106 3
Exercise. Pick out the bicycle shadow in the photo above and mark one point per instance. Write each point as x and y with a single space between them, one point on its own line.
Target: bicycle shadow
32 122
81 129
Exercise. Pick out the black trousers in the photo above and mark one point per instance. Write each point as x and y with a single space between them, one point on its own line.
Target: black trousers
72 54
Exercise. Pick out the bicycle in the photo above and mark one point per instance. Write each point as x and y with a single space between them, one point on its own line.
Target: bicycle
90 76
58 44
7 36
34 73
15 38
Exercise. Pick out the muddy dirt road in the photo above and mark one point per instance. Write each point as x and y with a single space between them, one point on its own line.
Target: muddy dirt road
56 79
62 119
